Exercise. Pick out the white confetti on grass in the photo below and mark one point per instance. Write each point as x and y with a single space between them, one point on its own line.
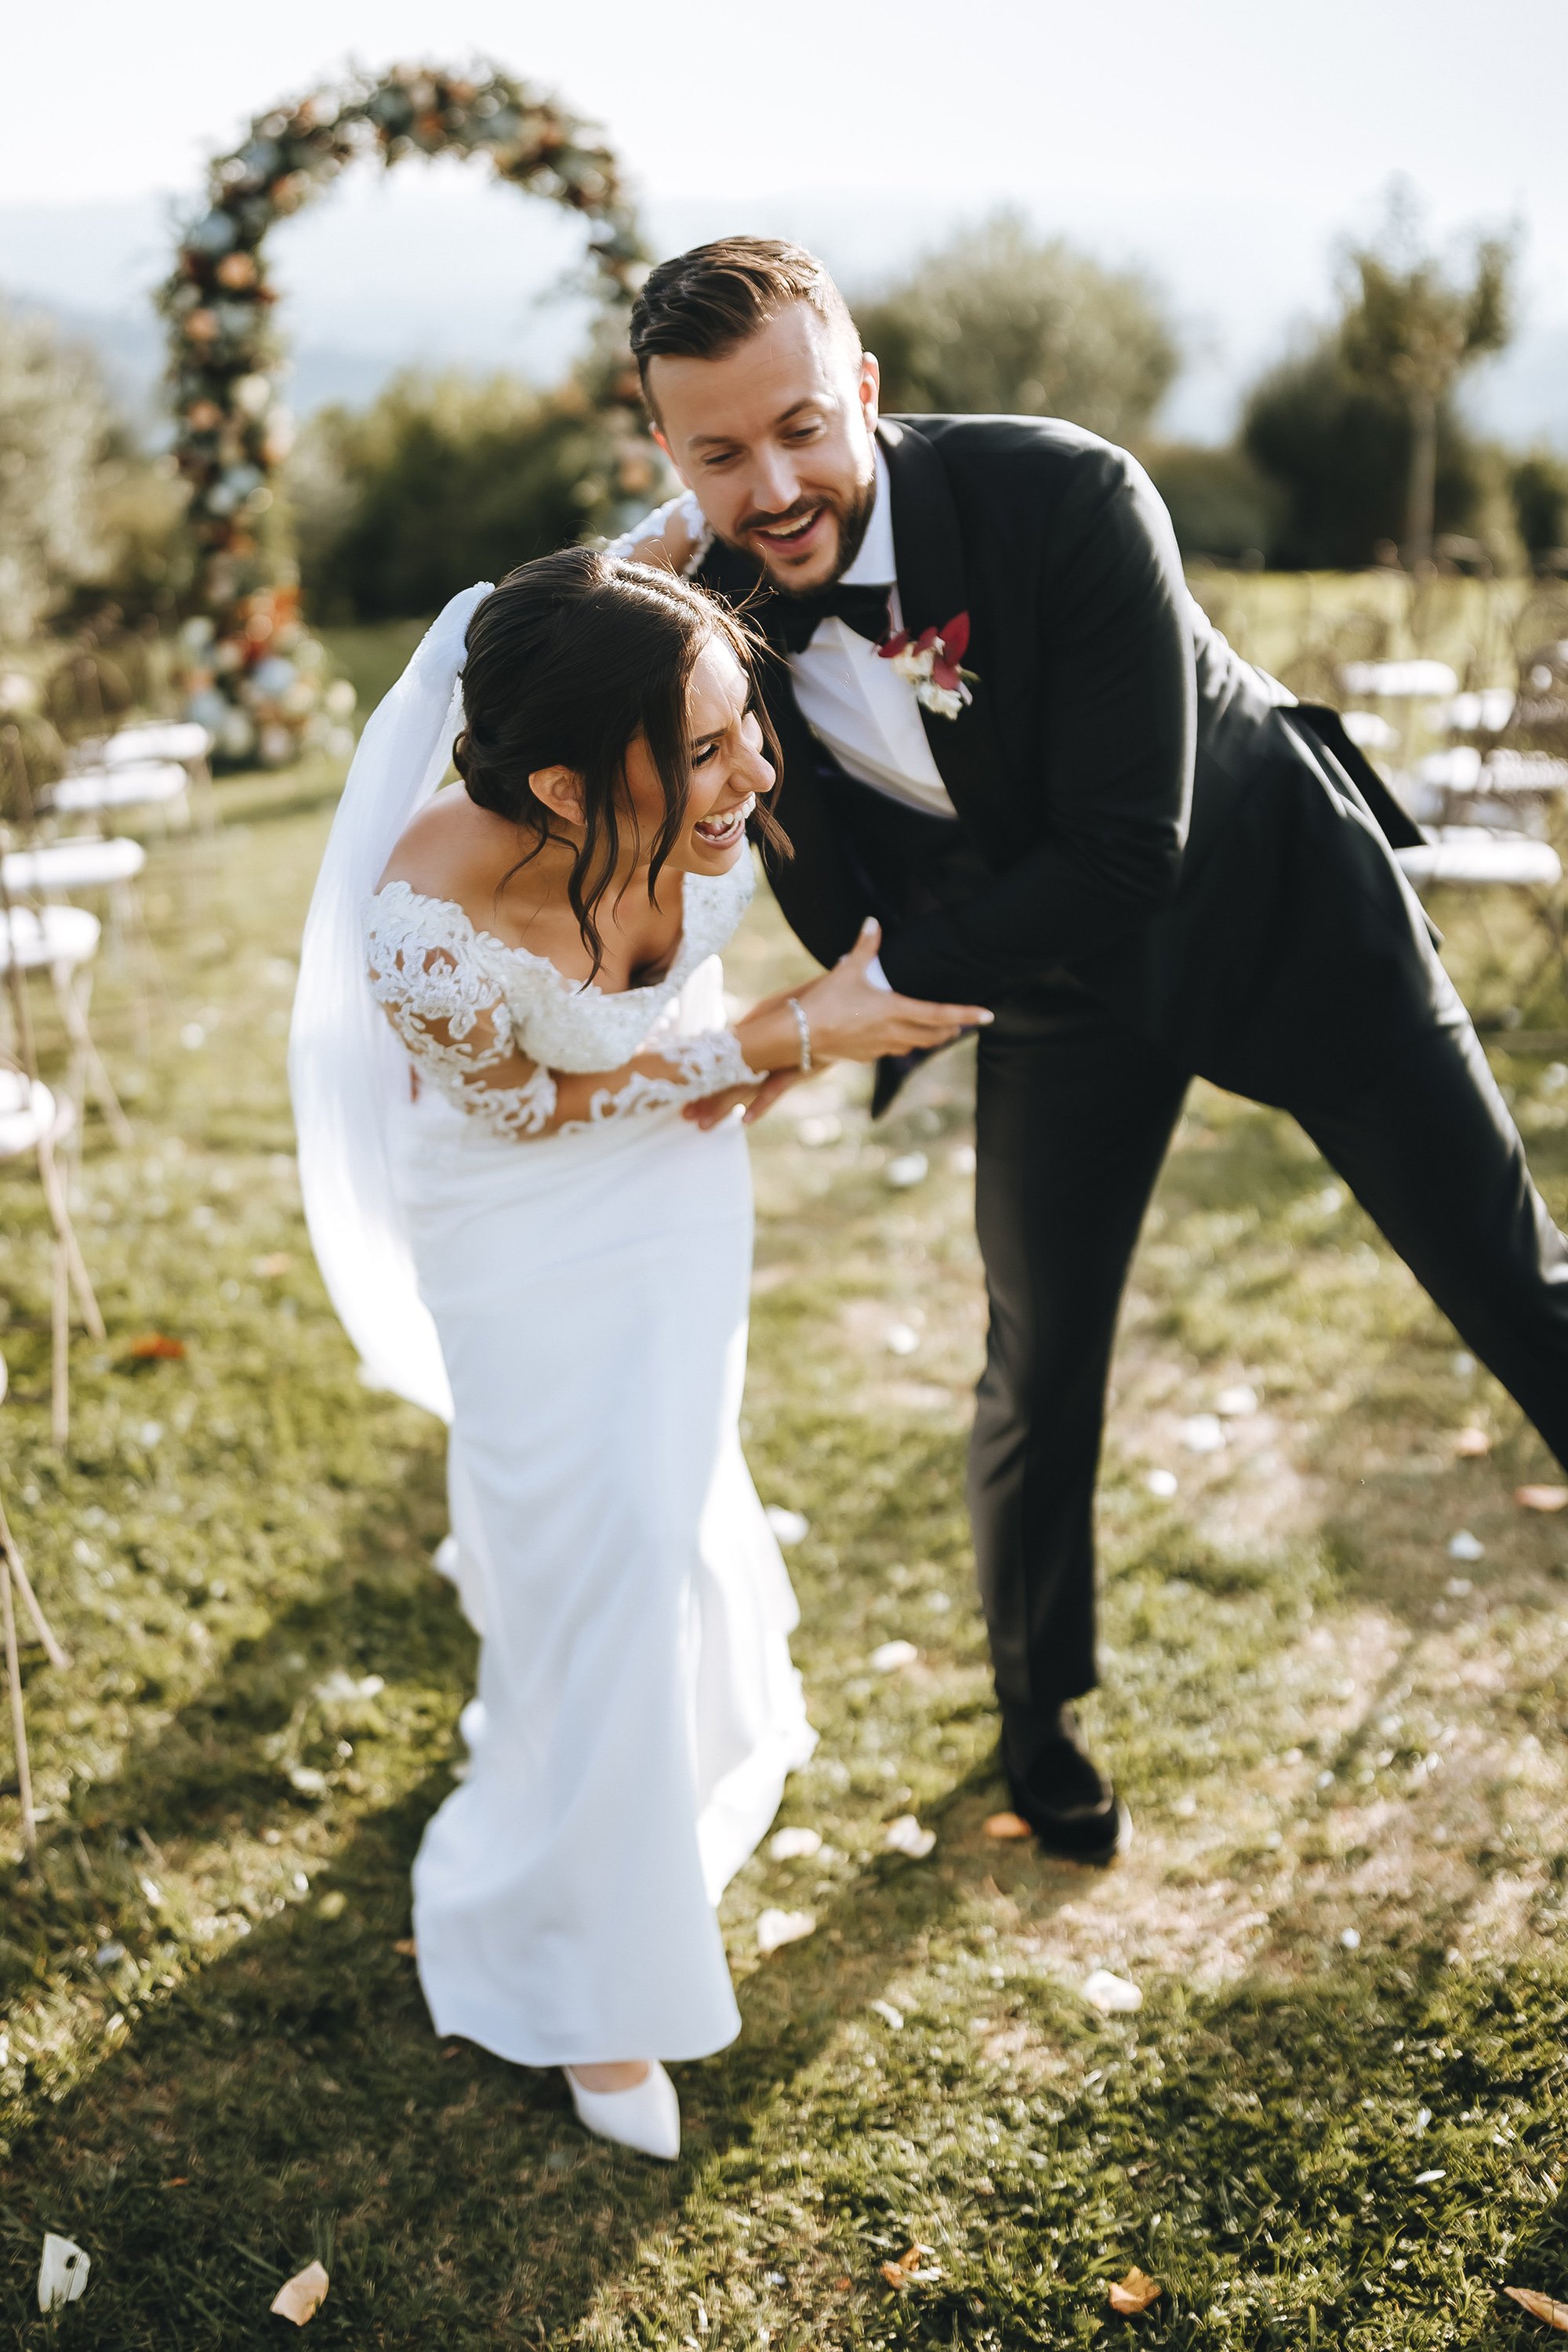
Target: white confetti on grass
890 1656
902 1339
1465 1545
906 1836
300 2297
62 2273
1236 1403
1113 1995
1423 2180
1203 1434
892 2018
909 1168
1163 1483
775 1929
1350 1939
794 1844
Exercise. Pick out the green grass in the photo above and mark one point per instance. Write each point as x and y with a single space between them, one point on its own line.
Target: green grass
1316 1734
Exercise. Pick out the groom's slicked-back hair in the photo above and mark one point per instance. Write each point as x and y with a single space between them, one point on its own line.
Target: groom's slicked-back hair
702 303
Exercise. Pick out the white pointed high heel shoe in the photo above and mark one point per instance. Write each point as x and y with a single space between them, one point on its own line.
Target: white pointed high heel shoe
646 2117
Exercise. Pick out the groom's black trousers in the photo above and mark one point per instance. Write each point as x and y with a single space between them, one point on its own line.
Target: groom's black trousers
1075 1113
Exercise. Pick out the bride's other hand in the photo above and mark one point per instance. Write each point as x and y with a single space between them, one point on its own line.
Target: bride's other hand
852 1019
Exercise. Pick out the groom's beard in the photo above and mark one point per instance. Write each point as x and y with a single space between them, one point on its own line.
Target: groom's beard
853 516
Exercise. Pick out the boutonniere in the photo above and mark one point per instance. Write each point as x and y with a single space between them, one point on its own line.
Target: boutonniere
930 663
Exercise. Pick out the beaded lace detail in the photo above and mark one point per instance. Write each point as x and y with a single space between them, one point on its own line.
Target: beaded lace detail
464 1004
696 525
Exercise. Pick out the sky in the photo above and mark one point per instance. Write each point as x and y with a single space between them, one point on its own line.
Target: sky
1227 147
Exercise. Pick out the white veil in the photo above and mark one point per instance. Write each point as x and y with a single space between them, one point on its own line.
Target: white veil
346 1070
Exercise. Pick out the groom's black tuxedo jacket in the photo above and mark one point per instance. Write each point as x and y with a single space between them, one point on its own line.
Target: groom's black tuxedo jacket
1144 814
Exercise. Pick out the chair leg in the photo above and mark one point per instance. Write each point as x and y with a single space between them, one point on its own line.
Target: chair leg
60 1351
18 1724
58 1656
90 1060
65 1234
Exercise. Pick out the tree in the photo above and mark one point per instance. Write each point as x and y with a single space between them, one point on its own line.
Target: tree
443 480
55 426
1413 330
1539 484
1337 450
1001 322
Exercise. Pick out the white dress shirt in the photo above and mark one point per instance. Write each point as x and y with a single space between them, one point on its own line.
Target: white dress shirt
857 703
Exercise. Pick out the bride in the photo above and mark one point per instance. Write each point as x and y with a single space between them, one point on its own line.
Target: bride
510 993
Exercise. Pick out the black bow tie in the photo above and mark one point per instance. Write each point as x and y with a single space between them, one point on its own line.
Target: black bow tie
791 621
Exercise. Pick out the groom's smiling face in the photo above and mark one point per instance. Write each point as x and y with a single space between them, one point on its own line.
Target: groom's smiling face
774 436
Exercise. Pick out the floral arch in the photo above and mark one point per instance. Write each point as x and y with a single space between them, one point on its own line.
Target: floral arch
232 431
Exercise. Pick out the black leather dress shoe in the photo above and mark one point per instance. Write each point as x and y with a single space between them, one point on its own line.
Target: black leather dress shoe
1061 1792
1095 1835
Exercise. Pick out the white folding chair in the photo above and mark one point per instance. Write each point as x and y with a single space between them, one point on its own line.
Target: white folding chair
34 1122
62 940
162 784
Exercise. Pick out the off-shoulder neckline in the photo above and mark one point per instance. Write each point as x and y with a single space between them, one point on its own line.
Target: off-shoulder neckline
577 988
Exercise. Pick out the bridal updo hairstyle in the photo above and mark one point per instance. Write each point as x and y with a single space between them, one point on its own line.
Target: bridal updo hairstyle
569 660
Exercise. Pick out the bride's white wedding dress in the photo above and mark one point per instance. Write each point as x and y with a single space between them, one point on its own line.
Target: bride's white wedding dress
576 1303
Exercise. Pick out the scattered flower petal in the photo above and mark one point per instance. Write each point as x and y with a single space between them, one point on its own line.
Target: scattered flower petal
1424 2178
406 1948
909 1168
788 1527
1236 1403
307 1781
62 2273
1350 1939
794 1845
1465 1545
1202 1433
1458 1587
890 2015
1006 1826
902 1339
962 1161
1135 2293
913 2268
1542 1498
775 1929
815 1132
890 1656
1164 1483
906 1836
300 2297
154 1345
107 1954
277 1262
1111 1994
1471 1444
1540 2306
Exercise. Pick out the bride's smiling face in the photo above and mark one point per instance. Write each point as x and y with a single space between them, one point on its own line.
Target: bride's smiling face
727 767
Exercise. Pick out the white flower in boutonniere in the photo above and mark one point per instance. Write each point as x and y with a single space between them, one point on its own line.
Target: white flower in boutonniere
930 663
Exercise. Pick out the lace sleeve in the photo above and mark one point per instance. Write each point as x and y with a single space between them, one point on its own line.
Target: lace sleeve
453 1020
689 519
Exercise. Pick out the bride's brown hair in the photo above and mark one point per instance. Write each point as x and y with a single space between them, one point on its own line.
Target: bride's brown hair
568 660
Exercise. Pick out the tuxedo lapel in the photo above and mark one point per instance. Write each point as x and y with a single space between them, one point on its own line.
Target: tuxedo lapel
933 589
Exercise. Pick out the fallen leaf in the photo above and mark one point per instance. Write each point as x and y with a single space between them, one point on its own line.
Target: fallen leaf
180 2181
1135 2293
62 2273
913 2268
906 1836
406 1948
1112 1994
892 1655
300 2297
278 1261
1471 1444
153 1346
775 1929
1006 1826
1542 1498
1540 2306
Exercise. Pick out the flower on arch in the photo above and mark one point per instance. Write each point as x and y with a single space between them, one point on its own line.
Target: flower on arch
932 664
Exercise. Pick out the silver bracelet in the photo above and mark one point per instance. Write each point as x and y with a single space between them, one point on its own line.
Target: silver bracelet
804 1025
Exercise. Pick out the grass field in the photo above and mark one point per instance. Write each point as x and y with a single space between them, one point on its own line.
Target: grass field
1338 2118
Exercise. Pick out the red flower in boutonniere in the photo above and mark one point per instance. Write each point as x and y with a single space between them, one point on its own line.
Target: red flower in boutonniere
930 663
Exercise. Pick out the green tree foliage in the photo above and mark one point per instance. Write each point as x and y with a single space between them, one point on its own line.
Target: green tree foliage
1539 486
1338 451
55 426
1221 503
1411 331
440 481
1000 322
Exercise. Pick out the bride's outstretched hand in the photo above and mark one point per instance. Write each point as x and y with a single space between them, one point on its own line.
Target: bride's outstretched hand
850 1019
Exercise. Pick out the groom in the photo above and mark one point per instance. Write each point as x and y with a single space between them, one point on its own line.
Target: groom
1009 733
